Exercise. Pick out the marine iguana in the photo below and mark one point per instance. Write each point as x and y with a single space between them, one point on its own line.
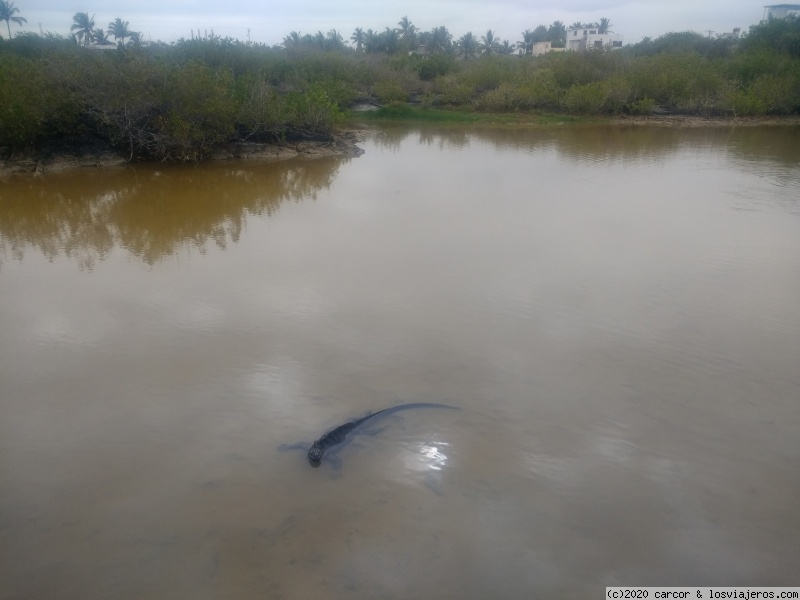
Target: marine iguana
338 435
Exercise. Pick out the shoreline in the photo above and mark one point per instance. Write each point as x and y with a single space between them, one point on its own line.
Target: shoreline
93 155
344 142
535 118
693 121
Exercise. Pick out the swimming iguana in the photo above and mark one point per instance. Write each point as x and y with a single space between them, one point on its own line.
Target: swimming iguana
339 435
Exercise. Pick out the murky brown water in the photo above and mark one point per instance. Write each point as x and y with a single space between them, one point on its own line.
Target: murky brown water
616 312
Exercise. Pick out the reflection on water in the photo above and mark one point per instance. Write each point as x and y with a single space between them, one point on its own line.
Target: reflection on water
152 212
149 212
613 309
756 145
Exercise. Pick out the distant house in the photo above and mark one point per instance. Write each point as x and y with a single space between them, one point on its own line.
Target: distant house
734 35
540 48
780 11
421 50
109 46
544 48
589 38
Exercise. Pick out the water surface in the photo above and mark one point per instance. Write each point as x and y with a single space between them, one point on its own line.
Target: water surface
615 311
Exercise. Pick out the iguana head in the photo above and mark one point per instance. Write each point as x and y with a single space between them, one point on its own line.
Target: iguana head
315 455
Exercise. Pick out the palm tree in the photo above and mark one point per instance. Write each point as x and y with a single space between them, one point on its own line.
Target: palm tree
334 40
604 26
489 43
388 39
408 35
468 45
358 38
540 34
406 29
527 42
371 41
100 37
136 38
83 26
557 33
7 12
119 29
292 41
506 48
576 25
440 39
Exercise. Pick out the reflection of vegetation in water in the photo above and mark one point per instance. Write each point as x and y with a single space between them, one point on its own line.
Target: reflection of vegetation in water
762 145
150 213
155 213
604 143
390 136
775 158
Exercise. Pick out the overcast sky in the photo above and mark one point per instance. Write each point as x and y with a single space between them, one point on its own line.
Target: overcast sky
270 20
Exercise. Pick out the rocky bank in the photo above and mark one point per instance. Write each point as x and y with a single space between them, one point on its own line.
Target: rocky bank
94 153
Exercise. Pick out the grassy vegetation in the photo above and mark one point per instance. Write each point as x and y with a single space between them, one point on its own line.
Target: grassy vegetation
444 116
177 101
161 102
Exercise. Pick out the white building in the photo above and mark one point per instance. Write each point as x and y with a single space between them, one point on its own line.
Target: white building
780 11
589 38
540 48
734 35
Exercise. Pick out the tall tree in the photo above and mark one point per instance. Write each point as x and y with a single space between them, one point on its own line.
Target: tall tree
371 41
540 34
119 29
506 48
424 39
489 43
406 29
100 37
359 38
468 45
440 39
334 40
557 33
388 40
604 26
528 39
83 25
7 12
292 41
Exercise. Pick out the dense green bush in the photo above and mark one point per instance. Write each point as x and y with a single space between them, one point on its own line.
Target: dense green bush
36 100
172 102
452 91
430 67
488 72
23 112
590 98
768 94
537 90
684 42
389 90
177 101
781 36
